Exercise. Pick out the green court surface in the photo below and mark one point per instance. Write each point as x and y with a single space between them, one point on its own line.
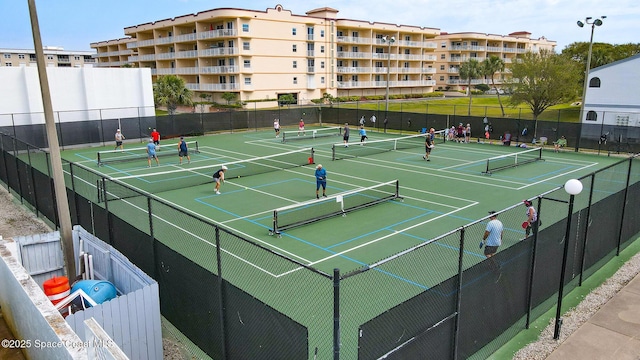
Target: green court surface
436 196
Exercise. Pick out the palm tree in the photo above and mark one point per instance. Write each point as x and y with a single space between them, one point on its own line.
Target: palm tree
470 70
490 66
171 91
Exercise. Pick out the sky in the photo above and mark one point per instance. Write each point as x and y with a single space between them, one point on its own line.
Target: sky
75 24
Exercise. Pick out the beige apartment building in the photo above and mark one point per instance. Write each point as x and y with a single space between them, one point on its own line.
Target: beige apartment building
261 55
456 48
53 56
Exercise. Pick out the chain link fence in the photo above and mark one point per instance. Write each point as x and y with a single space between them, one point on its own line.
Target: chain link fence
234 298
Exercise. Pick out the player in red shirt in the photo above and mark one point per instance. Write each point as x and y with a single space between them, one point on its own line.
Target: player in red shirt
155 136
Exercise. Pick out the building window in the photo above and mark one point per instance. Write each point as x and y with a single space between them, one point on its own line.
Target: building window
8 64
594 82
7 56
49 57
21 56
247 81
247 64
443 44
246 46
592 116
295 64
245 27
321 33
322 49
295 80
441 67
295 48
443 56
321 64
441 78
322 80
339 78
294 31
76 58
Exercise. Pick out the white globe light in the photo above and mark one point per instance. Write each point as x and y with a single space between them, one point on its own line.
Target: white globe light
573 187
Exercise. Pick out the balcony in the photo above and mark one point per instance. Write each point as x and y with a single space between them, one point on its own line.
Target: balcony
213 87
353 40
353 55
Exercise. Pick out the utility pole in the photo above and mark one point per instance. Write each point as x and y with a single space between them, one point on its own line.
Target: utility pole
60 189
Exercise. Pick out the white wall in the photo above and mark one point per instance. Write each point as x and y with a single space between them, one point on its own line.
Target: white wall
618 92
77 94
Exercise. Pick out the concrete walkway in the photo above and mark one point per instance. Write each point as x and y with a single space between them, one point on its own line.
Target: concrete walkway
612 333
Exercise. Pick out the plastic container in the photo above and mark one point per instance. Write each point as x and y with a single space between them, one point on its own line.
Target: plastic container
98 290
56 288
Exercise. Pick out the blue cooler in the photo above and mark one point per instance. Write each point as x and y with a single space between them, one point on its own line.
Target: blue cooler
98 290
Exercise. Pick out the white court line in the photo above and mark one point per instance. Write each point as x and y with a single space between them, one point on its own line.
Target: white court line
208 242
390 235
557 176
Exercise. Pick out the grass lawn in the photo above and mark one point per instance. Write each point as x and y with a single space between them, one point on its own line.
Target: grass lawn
480 106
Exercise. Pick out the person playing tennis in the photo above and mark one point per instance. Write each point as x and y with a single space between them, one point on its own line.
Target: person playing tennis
345 135
276 126
155 135
151 153
492 237
363 135
428 143
532 219
301 127
183 150
321 180
218 177
119 137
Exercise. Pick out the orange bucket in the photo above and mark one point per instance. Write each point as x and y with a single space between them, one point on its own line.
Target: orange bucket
57 288
310 160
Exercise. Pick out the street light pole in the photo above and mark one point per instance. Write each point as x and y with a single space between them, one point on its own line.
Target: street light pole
389 41
594 23
573 187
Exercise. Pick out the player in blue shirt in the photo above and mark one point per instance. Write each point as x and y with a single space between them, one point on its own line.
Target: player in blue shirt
321 180
183 150
363 134
151 153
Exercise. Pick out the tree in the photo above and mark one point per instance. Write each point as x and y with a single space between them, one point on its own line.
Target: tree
470 70
542 80
170 91
286 99
490 66
229 97
205 99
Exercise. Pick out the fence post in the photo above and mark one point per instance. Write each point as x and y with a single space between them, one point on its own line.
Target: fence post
336 314
223 341
586 229
624 201
533 265
458 295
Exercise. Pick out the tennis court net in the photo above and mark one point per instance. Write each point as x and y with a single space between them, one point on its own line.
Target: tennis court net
130 186
131 154
311 133
340 151
502 162
295 215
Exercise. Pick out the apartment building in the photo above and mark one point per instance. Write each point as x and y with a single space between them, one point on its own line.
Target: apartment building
264 54
457 48
54 56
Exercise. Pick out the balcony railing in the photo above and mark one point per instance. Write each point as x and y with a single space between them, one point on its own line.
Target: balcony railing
213 87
